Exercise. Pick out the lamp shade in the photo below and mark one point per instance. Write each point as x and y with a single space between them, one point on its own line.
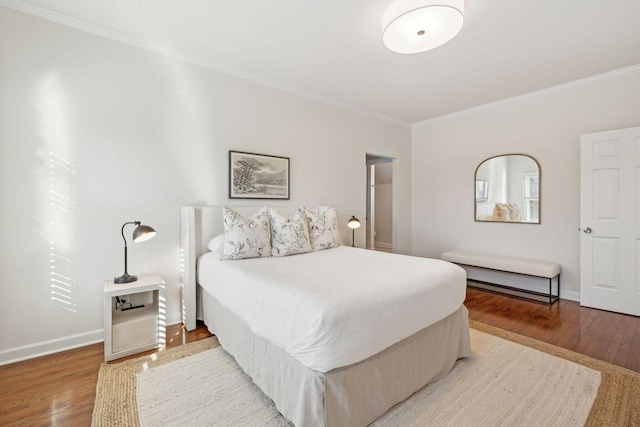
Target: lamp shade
412 26
143 233
353 222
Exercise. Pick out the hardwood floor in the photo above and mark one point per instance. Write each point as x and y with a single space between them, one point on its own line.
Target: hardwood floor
603 335
59 390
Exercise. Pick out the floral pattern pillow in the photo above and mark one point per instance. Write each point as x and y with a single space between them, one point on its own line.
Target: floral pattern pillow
289 236
246 237
323 229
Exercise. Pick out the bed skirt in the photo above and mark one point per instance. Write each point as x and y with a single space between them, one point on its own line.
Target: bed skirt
354 395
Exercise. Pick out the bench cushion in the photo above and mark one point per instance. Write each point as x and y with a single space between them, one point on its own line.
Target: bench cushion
504 263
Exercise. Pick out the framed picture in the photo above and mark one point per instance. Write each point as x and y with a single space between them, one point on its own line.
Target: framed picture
482 191
258 176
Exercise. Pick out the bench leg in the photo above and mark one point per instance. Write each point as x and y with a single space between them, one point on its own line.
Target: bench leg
551 296
558 286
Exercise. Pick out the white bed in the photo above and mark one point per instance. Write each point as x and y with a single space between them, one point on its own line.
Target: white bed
334 337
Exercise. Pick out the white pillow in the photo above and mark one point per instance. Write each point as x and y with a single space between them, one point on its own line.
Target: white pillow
289 236
216 244
246 237
323 229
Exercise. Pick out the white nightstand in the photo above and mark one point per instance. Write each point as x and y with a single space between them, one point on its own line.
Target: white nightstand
134 330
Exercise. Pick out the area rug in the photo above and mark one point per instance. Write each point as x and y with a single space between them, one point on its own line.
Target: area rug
510 380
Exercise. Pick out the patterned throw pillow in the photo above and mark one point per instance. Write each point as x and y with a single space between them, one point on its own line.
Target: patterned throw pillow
514 212
501 212
289 236
323 229
246 237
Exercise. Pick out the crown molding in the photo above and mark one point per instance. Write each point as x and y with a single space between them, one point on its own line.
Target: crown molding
633 69
184 57
195 60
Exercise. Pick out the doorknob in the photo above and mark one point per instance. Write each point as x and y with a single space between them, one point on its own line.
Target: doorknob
587 230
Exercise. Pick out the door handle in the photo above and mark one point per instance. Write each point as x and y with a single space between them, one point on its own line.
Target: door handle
587 230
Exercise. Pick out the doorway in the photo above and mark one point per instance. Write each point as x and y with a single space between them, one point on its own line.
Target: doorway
610 221
379 220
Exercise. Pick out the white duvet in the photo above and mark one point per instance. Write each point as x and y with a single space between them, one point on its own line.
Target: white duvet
338 306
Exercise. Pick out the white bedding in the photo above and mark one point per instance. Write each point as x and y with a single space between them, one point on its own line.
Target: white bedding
335 307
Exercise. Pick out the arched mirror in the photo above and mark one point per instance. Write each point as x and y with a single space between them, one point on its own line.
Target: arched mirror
507 189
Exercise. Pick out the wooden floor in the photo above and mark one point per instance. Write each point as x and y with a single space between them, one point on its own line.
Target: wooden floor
603 335
59 390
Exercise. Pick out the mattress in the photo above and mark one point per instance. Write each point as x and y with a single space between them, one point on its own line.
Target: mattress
336 307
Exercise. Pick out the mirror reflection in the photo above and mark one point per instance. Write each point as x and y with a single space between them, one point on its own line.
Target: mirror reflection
507 189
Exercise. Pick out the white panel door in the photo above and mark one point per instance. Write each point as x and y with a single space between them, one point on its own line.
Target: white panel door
610 220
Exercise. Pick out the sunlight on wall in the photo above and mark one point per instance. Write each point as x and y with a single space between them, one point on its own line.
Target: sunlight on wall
162 320
57 216
61 219
183 269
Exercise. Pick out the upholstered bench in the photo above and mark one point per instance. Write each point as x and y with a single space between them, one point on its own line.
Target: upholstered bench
474 262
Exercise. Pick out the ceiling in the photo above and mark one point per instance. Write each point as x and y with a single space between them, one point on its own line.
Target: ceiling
331 50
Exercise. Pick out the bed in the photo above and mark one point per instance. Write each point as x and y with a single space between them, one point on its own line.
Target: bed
334 346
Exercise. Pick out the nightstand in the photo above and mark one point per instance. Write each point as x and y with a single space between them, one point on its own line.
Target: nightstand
138 324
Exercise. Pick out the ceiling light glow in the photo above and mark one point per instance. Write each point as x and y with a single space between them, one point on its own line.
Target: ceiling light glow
412 26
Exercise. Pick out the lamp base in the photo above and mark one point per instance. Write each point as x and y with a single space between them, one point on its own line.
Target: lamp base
125 278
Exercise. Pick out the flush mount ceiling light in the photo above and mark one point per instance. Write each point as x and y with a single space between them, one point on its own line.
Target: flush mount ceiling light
412 26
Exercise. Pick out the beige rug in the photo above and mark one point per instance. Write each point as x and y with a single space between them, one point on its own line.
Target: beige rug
502 384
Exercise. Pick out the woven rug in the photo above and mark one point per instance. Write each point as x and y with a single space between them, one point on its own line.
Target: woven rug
510 380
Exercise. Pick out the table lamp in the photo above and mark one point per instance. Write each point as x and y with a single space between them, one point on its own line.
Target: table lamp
353 224
140 234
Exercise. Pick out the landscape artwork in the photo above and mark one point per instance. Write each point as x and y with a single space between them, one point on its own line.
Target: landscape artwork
258 176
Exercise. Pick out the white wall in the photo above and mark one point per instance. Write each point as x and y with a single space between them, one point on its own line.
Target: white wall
142 134
547 126
384 203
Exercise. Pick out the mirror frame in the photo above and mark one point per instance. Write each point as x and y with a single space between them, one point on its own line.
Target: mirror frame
475 201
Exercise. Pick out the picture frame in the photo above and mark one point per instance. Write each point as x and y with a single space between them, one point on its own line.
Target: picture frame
258 176
482 191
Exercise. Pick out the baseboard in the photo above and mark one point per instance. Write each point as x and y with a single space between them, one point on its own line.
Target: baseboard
383 245
173 319
572 296
43 348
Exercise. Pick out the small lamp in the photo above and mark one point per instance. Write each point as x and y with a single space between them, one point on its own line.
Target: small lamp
140 234
353 224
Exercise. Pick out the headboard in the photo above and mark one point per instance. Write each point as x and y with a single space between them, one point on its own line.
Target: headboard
199 225
484 211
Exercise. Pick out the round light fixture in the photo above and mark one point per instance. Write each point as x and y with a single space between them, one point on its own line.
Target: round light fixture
412 26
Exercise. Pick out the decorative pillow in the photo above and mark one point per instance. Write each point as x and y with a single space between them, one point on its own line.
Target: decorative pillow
246 237
216 244
514 212
289 236
501 212
323 229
